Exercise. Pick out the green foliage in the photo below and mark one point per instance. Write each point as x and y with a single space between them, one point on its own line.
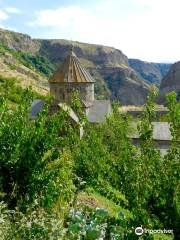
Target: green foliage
11 90
34 62
174 116
149 169
44 166
34 159
94 225
91 198
81 223
178 96
35 224
41 64
5 223
172 165
77 107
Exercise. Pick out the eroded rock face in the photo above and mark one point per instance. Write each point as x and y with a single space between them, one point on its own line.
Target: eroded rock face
114 77
125 85
110 64
171 82
57 50
152 72
18 41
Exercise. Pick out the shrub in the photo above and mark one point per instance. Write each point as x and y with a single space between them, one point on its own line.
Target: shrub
34 159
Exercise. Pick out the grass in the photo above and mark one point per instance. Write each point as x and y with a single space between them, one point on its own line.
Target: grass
94 200
163 237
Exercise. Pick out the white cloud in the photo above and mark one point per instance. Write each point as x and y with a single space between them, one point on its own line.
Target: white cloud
3 15
148 31
12 10
61 17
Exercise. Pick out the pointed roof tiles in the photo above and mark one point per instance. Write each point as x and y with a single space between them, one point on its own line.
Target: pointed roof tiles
71 71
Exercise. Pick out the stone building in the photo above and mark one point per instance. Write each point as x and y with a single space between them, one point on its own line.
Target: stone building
161 135
72 76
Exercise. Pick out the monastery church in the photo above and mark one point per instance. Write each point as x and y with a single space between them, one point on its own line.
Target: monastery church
73 76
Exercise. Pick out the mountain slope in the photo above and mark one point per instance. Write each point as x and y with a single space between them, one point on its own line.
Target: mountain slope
39 58
12 64
171 82
125 85
152 72
107 65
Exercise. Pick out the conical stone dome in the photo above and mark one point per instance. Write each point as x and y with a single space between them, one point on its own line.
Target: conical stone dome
72 76
71 71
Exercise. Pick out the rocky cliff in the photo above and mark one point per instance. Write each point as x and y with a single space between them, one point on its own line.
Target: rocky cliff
116 76
19 41
125 85
16 53
152 72
109 66
171 82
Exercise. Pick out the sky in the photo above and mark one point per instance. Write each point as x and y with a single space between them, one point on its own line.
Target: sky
142 29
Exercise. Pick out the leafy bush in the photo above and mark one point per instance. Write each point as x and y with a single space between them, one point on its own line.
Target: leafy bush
43 164
85 223
11 90
35 224
34 159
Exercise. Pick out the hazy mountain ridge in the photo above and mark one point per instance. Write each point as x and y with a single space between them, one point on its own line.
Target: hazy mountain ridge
152 72
111 69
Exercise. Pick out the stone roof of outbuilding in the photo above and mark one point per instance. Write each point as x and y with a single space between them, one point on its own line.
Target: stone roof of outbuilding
161 131
38 104
36 107
71 71
99 111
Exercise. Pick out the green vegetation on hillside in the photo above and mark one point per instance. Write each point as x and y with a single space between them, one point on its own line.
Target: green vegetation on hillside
100 87
11 90
34 62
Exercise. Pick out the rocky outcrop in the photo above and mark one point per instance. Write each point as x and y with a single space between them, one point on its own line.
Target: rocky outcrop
57 50
109 66
125 85
171 82
18 41
120 81
152 72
